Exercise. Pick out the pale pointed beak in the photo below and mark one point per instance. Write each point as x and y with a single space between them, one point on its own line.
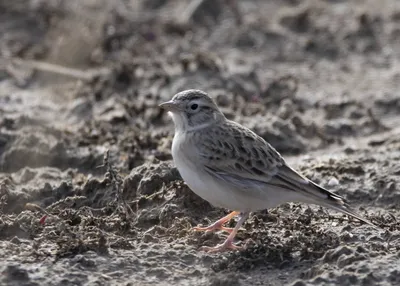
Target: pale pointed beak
170 106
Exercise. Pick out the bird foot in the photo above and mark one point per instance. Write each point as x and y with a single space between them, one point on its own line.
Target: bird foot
219 224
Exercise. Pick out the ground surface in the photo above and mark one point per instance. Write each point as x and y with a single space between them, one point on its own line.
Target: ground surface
321 80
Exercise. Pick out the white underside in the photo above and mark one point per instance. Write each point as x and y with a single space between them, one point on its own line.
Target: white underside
220 193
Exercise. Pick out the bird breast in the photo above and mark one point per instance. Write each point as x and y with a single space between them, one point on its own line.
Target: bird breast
189 166
214 191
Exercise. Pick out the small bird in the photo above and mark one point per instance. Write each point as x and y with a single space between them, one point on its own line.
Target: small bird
232 167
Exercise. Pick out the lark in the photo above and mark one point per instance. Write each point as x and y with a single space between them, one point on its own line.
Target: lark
232 167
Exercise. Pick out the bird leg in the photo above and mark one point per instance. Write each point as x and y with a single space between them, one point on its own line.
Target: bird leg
218 225
228 243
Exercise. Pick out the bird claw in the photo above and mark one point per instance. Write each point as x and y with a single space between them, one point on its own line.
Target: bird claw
227 229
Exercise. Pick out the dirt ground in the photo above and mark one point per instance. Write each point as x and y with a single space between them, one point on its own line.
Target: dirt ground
88 192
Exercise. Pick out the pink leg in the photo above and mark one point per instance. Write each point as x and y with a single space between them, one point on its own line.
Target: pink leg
228 243
218 225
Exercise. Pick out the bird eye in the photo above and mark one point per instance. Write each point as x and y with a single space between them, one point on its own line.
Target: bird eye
194 106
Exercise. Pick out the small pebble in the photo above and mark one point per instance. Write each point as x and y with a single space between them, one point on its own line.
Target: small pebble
333 182
178 246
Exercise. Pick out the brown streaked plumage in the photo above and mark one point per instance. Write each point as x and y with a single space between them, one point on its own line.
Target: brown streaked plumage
230 166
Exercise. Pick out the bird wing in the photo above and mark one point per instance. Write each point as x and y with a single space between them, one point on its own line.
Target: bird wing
240 157
236 150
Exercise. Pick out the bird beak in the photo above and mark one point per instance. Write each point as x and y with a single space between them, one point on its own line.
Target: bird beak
170 106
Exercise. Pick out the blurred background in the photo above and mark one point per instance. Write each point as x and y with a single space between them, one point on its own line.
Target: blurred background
319 80
303 74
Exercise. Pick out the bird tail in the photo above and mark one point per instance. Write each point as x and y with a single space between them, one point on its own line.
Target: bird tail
312 193
338 203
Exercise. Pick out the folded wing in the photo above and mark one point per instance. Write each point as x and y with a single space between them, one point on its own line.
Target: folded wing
245 160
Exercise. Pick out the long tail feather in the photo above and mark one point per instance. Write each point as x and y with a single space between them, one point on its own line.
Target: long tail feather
338 203
315 194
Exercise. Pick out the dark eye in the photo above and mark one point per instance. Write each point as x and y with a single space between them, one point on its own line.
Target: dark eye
194 106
